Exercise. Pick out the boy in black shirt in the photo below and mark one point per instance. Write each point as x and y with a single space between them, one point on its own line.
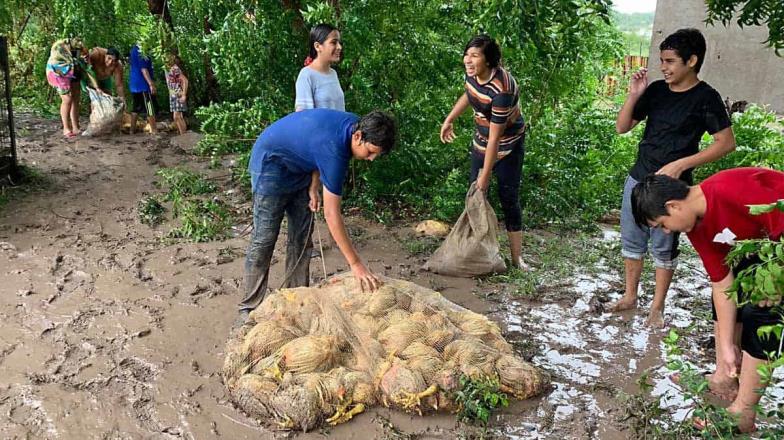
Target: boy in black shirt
679 109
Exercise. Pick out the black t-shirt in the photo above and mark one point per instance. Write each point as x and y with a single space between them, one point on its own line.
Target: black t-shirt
676 122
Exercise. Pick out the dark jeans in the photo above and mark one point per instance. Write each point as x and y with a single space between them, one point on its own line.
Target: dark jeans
508 171
267 215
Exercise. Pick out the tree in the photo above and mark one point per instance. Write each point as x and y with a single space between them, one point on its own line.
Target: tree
751 13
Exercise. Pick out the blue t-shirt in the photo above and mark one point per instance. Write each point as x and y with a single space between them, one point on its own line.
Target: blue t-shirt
137 83
289 150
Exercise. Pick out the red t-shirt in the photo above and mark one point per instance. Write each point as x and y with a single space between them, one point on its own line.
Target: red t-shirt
727 195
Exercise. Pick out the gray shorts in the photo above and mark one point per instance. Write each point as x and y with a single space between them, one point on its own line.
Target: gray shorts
634 239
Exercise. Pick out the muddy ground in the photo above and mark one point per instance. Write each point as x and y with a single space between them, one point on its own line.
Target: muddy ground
107 331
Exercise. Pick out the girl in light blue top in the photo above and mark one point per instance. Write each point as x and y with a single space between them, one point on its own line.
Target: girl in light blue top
317 83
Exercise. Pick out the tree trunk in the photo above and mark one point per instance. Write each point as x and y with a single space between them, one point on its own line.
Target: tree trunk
213 89
160 8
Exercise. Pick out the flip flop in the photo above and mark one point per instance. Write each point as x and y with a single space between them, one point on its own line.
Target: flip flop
70 135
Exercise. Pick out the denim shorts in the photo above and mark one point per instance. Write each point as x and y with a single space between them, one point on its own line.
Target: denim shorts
634 239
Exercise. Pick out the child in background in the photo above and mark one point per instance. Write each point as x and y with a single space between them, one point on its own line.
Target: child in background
177 83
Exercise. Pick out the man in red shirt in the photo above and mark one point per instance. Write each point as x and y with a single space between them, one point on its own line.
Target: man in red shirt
715 214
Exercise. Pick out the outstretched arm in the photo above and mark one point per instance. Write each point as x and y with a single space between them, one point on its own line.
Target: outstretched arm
447 128
337 228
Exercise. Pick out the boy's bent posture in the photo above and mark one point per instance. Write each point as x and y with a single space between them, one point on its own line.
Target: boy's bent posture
678 109
291 159
714 214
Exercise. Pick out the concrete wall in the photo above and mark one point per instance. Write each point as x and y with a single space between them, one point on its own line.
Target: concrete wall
737 64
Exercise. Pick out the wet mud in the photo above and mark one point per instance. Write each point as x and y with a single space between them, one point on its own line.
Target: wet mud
107 331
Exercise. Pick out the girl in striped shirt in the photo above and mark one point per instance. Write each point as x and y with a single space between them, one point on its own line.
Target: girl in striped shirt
499 137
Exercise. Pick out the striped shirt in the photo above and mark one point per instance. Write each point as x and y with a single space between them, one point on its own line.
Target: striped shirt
496 101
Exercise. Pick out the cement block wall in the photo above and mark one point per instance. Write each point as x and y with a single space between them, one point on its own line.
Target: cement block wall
737 64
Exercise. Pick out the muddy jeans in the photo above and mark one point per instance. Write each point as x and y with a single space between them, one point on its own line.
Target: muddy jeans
267 215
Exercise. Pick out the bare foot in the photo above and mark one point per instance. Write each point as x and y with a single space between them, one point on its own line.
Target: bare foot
745 421
745 417
625 303
522 265
726 387
724 390
655 319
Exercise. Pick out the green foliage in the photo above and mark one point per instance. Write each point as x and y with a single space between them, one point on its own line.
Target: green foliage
203 220
759 143
575 166
751 13
200 219
183 183
720 423
478 398
421 245
151 210
233 126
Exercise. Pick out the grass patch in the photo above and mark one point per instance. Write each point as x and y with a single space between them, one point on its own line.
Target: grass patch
555 259
203 220
151 210
416 246
183 183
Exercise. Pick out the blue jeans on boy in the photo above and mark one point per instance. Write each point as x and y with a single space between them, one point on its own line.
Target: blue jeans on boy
634 239
268 213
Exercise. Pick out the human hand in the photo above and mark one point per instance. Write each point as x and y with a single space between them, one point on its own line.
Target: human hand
729 363
182 99
770 302
153 90
315 198
367 281
673 169
483 181
638 82
447 132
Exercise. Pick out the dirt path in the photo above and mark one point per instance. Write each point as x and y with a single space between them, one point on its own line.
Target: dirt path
108 332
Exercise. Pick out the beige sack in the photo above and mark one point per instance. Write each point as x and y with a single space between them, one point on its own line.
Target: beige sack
471 248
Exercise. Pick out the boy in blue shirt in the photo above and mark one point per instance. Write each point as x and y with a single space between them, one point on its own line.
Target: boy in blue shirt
142 85
290 160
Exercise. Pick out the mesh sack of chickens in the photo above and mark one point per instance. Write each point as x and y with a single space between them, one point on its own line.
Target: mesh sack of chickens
312 356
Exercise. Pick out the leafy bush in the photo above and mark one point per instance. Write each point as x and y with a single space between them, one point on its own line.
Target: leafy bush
182 183
203 220
478 398
759 142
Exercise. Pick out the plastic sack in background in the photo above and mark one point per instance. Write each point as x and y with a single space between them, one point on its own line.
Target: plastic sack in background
471 248
106 113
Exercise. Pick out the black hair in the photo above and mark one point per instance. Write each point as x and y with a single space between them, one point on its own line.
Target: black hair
489 48
652 193
686 42
112 51
319 35
378 128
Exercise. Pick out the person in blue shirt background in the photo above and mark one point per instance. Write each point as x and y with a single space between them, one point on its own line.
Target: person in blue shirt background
290 160
142 85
